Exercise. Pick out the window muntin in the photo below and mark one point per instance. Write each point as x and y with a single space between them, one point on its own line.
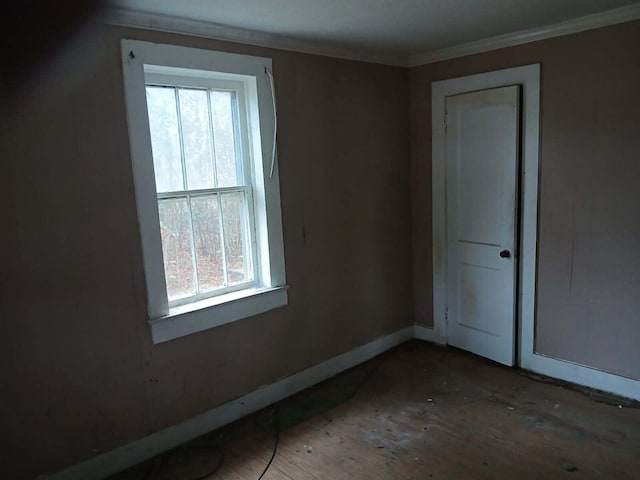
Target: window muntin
199 140
172 65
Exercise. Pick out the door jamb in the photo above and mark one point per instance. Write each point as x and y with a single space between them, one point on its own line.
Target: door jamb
529 78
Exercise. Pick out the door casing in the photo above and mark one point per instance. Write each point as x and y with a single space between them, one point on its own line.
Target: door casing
529 79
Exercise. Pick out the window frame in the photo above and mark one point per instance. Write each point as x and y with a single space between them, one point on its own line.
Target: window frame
142 61
243 153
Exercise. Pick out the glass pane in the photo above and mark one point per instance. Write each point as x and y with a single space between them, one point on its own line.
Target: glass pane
223 136
234 219
196 138
176 247
165 140
206 231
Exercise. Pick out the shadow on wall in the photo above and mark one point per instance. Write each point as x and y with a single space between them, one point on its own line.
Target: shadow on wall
33 32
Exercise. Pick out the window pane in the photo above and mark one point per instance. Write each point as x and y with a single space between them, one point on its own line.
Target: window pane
234 219
165 140
196 138
176 247
223 135
206 230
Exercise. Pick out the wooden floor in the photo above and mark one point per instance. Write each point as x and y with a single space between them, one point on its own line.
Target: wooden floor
420 412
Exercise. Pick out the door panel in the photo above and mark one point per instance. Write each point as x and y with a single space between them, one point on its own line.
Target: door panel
482 142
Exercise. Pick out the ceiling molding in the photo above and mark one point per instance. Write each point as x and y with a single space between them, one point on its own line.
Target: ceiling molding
198 28
580 24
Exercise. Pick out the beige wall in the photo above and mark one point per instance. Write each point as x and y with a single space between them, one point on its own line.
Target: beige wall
588 288
79 372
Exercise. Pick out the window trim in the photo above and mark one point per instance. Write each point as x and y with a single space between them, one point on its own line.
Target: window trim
169 323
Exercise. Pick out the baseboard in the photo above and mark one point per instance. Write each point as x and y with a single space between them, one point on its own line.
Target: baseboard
582 375
563 370
114 461
428 335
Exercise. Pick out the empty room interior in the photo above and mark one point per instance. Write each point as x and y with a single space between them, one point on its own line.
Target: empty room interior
276 239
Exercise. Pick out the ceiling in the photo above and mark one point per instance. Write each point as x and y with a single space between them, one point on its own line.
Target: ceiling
400 28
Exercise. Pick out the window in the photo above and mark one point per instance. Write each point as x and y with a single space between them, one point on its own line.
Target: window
203 185
201 130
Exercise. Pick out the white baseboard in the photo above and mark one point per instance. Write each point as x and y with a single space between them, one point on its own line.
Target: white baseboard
561 369
581 375
121 458
428 335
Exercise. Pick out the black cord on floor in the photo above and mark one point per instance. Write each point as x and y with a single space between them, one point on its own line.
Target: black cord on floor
275 446
278 426
277 419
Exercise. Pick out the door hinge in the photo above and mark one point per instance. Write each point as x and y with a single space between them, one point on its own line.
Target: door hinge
445 120
446 315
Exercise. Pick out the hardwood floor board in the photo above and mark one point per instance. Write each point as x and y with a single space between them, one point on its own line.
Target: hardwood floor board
316 462
262 449
250 465
431 413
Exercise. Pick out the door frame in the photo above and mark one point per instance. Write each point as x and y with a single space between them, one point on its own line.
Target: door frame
529 78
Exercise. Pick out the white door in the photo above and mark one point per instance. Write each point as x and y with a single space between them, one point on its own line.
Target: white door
482 147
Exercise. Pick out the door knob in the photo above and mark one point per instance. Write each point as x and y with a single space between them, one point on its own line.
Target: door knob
505 254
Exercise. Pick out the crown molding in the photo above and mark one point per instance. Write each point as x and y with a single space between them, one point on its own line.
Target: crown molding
580 24
198 28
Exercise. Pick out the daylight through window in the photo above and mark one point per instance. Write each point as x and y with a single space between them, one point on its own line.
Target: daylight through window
202 130
204 190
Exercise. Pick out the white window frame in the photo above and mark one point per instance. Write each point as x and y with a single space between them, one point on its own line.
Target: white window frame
158 76
269 290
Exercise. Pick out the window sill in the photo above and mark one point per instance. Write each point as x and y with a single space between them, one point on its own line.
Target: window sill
213 312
